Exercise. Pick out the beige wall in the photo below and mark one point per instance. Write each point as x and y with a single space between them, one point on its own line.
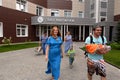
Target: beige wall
9 3
117 7
77 6
31 8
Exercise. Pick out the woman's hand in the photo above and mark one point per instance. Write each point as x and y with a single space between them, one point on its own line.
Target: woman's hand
62 55
46 58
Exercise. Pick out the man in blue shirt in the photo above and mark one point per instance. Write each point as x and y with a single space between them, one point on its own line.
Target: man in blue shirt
92 58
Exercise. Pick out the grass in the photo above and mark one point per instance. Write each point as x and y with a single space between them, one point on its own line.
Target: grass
6 48
113 57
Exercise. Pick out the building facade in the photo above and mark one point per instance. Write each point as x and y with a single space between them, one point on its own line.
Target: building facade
25 20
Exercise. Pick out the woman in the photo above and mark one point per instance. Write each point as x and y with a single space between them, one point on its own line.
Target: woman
68 41
43 40
54 52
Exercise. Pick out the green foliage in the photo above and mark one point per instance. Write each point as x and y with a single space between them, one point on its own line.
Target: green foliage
7 41
115 45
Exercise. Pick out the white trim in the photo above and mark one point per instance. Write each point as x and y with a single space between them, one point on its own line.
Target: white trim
42 10
90 29
67 27
26 30
40 30
0 2
47 30
55 11
1 29
62 30
79 32
83 32
81 1
104 31
97 11
19 6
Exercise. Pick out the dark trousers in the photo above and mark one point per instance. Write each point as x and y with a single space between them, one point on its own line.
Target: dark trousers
71 59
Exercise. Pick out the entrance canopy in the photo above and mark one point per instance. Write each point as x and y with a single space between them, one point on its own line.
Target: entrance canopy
36 20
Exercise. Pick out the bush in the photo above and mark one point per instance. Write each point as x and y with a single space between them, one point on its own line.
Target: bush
115 45
7 41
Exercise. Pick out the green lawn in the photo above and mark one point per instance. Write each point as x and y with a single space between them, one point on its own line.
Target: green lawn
6 48
113 57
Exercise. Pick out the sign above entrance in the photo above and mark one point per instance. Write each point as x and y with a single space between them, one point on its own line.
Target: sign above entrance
60 20
36 20
40 19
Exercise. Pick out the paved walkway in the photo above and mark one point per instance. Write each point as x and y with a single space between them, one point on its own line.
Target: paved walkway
25 65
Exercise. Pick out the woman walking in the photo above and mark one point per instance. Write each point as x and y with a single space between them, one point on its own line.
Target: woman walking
68 41
43 40
54 52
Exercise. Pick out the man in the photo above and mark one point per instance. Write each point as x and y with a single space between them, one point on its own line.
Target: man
97 57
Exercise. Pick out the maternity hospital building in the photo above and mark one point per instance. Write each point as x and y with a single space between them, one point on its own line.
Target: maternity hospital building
26 20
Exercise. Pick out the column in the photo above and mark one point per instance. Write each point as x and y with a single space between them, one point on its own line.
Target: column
39 30
83 32
62 31
90 29
67 27
47 30
104 31
79 32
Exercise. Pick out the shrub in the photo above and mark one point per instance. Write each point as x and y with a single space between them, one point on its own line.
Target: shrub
115 45
7 41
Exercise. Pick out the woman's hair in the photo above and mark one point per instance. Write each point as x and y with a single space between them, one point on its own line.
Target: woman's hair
94 28
68 32
52 31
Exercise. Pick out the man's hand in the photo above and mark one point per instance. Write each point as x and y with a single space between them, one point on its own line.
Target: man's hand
101 51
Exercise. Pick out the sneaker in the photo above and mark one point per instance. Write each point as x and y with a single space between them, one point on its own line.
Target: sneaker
71 66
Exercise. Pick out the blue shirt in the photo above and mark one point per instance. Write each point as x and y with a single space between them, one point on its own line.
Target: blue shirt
96 41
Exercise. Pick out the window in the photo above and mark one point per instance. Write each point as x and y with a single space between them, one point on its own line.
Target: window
103 14
80 14
103 19
1 29
92 6
21 5
67 13
54 13
21 30
81 0
39 11
0 2
103 4
92 15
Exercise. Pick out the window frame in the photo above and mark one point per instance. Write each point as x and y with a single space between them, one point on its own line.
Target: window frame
81 13
81 0
20 4
102 6
55 11
38 11
68 12
1 29
21 33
